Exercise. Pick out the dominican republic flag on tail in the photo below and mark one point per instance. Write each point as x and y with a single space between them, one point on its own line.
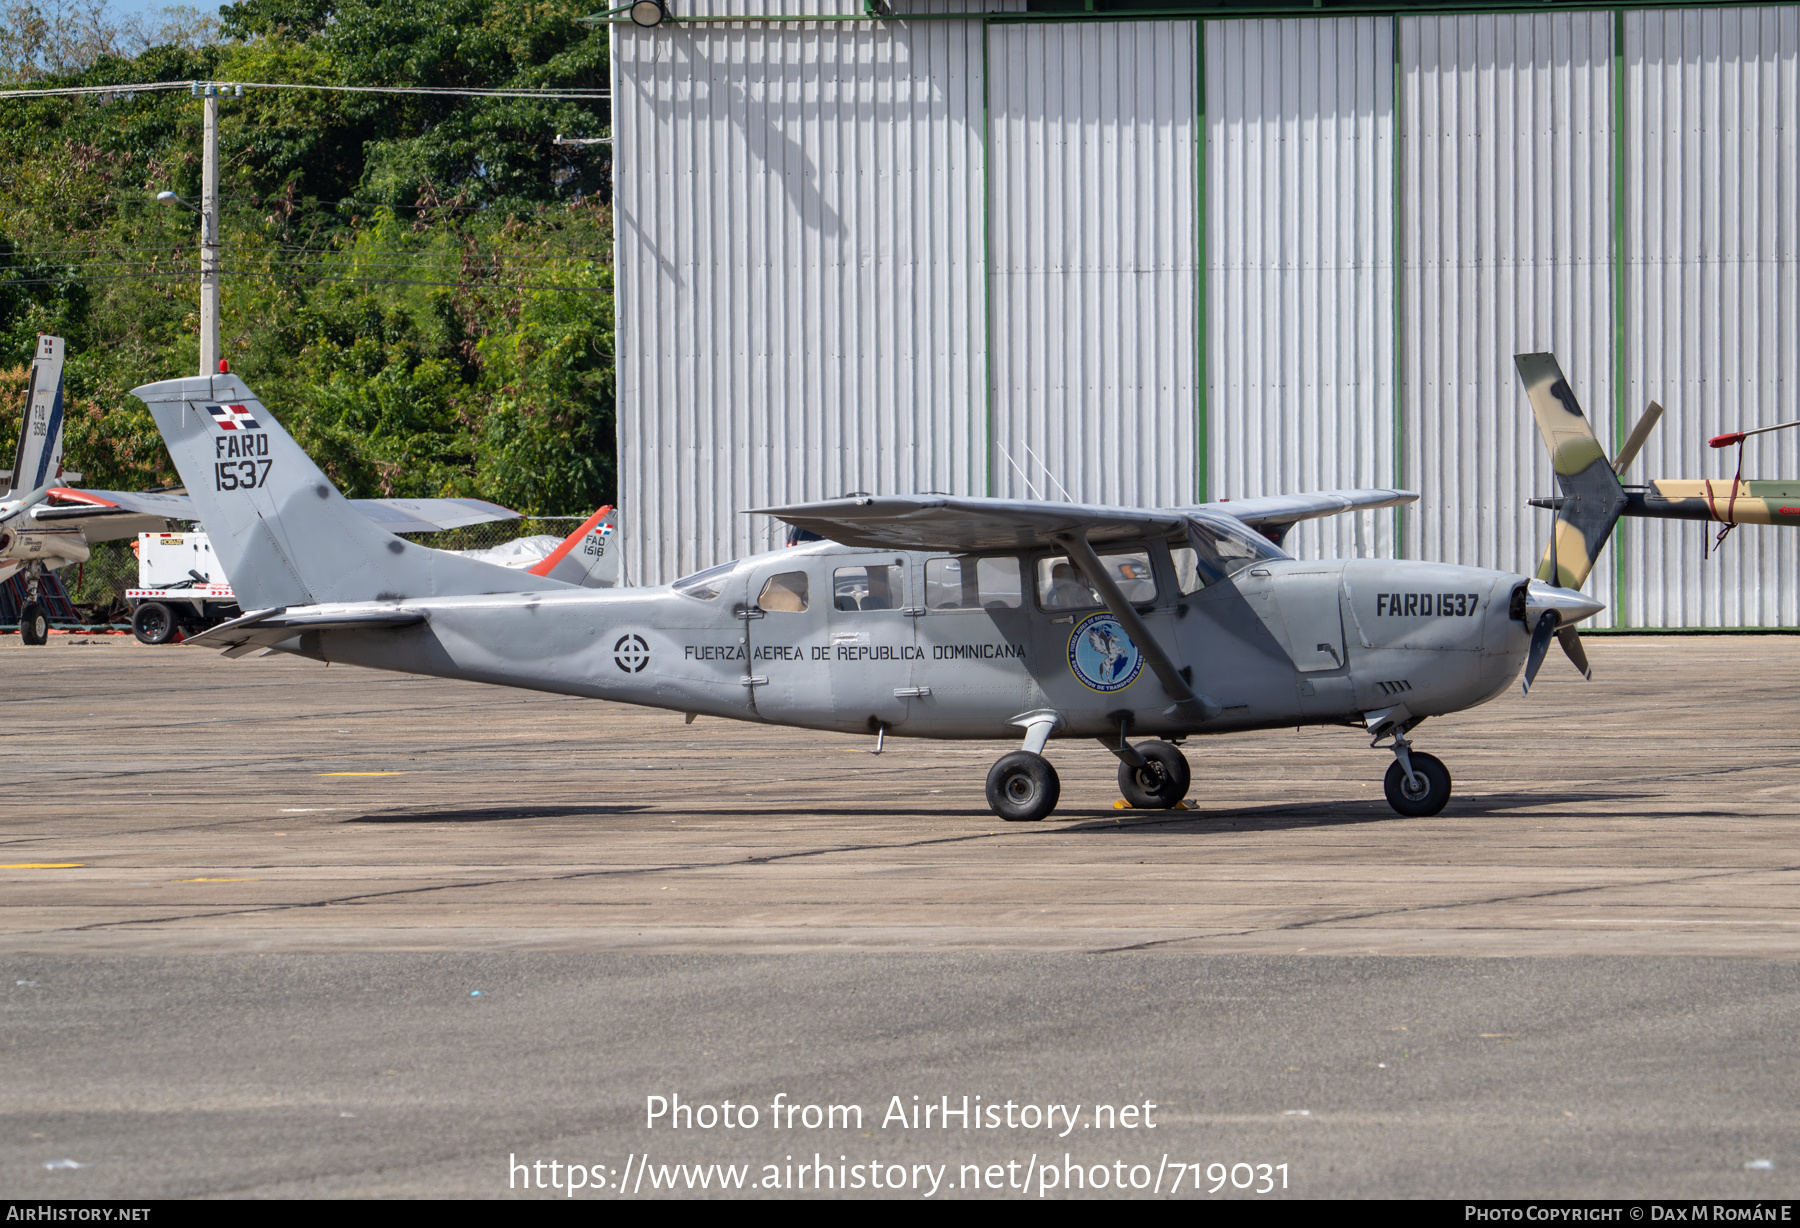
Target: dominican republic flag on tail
233 417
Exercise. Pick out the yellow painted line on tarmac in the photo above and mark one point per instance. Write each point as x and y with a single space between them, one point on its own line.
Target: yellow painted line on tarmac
360 773
218 880
45 865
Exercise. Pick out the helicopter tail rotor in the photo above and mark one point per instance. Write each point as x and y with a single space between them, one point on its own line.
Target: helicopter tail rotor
1590 504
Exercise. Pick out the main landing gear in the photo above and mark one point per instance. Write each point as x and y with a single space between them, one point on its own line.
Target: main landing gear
1022 787
1417 784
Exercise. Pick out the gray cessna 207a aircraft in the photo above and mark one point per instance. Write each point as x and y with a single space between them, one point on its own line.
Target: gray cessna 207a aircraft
922 616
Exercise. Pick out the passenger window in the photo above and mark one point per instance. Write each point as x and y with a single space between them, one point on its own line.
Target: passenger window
1061 587
868 588
1187 569
784 594
973 584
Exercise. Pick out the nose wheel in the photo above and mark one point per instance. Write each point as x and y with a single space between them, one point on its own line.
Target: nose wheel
1417 784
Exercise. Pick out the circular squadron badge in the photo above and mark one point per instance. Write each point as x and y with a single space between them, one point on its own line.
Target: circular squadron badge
1102 655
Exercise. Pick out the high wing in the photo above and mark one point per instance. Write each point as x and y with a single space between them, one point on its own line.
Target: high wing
1274 515
948 522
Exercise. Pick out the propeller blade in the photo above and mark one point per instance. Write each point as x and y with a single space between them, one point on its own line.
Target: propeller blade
1540 644
1571 645
1652 414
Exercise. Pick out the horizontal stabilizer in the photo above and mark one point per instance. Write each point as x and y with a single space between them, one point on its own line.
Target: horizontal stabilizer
430 515
266 628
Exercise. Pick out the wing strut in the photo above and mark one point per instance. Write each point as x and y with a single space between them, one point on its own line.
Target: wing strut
1188 702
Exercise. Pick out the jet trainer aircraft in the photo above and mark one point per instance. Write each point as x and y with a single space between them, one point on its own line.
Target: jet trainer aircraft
921 615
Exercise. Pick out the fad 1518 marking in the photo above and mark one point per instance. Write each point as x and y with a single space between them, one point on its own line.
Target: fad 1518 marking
1427 605
241 460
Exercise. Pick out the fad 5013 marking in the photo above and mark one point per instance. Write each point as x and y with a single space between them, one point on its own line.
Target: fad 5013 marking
1427 605
241 460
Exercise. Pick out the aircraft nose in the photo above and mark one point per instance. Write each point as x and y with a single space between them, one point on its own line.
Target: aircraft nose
1570 605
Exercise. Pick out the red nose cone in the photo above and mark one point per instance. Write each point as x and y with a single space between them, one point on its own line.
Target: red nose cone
224 367
1725 441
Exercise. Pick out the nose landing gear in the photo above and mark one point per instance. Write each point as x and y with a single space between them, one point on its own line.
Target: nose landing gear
1417 784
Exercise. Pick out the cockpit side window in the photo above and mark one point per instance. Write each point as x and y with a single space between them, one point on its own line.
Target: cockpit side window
705 585
1061 585
1222 547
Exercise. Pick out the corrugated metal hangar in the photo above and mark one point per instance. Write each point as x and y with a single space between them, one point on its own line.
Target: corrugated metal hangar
1157 257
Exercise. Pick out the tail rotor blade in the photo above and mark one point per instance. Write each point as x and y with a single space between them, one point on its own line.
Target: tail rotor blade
1571 645
1634 444
1540 644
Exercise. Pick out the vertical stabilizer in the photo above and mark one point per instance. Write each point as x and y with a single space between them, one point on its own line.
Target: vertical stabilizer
588 557
37 461
1592 496
280 530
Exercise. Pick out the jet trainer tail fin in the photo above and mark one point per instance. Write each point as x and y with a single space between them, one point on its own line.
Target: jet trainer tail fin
37 461
283 533
588 557
1592 498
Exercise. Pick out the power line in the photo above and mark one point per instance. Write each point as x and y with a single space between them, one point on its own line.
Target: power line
545 92
370 281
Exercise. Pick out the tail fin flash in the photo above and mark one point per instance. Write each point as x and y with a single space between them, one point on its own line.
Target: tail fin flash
37 461
283 533
588 557
1592 496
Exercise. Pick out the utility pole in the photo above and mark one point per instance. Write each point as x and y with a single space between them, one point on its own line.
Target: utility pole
210 93
209 232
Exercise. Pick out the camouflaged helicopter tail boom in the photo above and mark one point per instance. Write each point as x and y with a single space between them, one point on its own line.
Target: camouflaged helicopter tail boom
1592 498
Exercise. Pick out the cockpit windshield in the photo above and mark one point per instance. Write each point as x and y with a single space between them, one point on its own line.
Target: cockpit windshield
1223 546
705 585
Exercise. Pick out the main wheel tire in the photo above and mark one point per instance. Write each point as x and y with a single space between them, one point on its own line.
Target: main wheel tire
153 623
1023 787
1418 803
34 624
1162 781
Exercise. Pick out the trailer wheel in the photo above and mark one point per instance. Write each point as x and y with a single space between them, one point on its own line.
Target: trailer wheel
153 623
